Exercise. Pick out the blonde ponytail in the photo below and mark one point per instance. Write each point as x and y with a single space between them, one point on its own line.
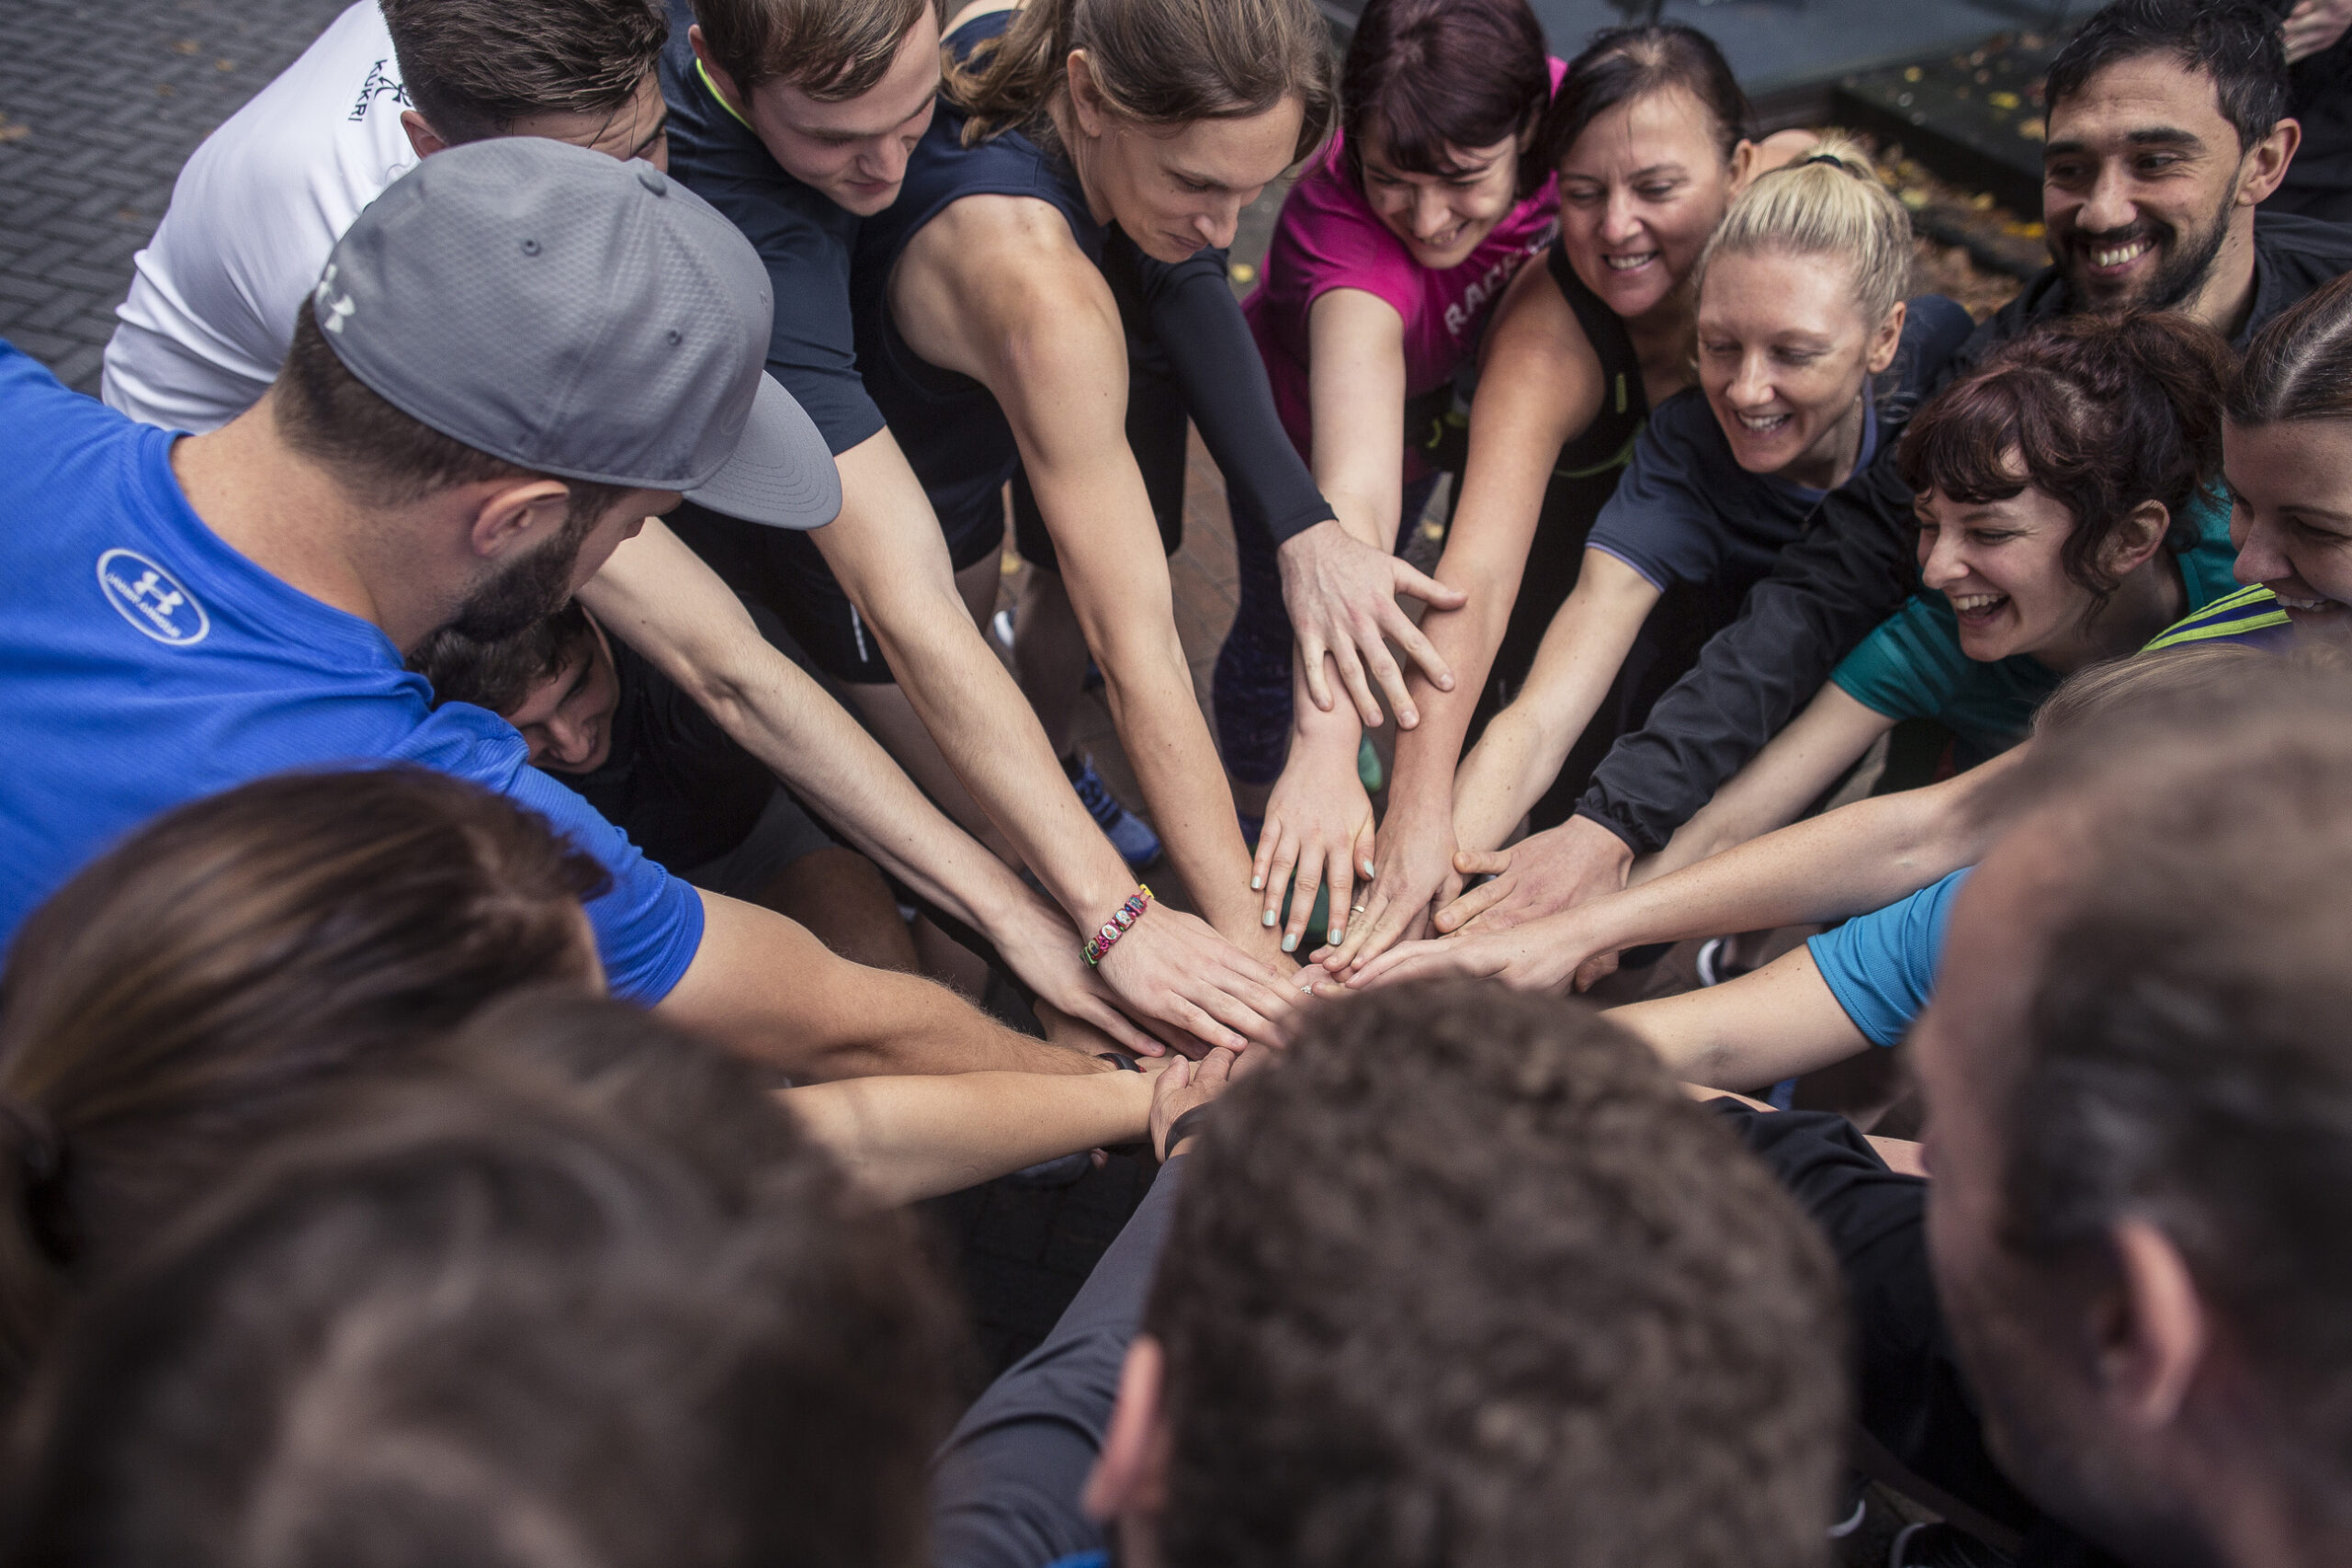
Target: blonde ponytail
1829 202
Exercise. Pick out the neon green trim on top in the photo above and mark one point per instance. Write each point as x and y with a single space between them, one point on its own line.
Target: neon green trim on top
718 97
2250 609
1624 456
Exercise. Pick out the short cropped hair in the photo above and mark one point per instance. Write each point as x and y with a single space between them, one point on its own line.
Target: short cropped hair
2186 1058
474 67
454 1323
388 457
1464 1279
2233 43
830 50
501 676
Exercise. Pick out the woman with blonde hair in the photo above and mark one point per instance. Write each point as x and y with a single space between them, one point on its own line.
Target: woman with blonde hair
1810 360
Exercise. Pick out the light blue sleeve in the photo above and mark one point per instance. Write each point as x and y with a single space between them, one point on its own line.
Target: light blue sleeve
1881 966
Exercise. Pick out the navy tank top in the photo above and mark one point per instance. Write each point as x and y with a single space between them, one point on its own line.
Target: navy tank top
954 436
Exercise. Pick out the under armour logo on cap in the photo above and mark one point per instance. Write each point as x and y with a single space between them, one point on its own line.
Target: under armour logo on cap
334 308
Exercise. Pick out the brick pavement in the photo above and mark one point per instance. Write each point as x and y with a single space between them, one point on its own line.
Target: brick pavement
100 103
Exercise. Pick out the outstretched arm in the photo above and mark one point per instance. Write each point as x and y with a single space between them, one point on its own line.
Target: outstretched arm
996 288
1790 773
659 596
908 1138
1844 863
1775 1023
1522 751
765 986
1541 383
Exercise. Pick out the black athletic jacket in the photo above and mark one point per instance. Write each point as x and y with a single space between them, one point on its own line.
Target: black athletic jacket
1851 571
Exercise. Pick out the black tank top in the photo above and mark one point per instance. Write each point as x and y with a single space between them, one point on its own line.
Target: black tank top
949 425
1590 463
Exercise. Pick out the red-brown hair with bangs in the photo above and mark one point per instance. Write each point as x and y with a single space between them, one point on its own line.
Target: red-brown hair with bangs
2101 413
1433 77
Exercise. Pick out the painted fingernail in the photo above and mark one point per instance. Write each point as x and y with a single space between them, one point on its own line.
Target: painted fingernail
1290 941
1256 883
1266 917
1368 869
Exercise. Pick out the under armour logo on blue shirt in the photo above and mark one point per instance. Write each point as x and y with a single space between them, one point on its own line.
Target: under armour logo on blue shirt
151 599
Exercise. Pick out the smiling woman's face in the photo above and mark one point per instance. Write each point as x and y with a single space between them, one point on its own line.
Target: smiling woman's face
1642 188
1442 218
1783 353
1997 563
2291 517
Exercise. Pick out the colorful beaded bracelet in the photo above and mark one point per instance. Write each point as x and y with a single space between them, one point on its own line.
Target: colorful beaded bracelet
1116 926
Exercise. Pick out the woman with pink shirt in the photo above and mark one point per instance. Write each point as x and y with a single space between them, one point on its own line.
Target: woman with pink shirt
1391 251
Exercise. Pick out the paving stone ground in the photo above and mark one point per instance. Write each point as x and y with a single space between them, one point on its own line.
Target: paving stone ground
100 103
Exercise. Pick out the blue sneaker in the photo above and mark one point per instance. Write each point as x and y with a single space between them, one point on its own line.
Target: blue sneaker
1129 834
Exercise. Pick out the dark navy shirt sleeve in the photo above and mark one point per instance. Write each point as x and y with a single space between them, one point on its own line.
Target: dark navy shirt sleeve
1190 310
1005 1486
1662 521
803 239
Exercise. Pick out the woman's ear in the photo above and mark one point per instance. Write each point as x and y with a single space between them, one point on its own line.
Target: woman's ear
1743 166
1889 339
1086 103
2137 539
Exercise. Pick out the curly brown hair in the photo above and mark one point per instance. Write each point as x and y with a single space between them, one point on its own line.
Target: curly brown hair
1464 1279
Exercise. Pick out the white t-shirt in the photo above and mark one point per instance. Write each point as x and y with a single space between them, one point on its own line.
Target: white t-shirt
253 217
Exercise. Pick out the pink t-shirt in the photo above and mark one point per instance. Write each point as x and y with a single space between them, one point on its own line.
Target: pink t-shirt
1328 237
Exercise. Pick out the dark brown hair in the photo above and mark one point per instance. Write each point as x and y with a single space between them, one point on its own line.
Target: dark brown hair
2235 44
830 49
1622 65
2099 412
1427 76
474 67
1464 1278
2185 1059
332 417
1158 62
456 1321
2300 365
501 676
194 984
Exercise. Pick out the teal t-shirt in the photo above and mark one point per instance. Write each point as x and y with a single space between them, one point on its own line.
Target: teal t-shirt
1911 666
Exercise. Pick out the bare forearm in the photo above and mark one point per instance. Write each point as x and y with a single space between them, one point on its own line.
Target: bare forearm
908 1138
765 986
990 735
1844 863
1166 739
1775 1023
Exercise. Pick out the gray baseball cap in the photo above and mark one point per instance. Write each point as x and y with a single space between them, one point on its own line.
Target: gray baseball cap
581 316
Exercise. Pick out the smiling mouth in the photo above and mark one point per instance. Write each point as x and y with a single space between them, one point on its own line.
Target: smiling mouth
1630 263
2121 255
2308 606
1764 424
1977 606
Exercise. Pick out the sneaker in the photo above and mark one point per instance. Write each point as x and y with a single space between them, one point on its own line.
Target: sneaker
1941 1545
1129 834
1000 627
1715 964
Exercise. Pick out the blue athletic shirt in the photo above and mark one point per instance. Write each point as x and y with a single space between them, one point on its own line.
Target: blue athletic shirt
149 664
1881 966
